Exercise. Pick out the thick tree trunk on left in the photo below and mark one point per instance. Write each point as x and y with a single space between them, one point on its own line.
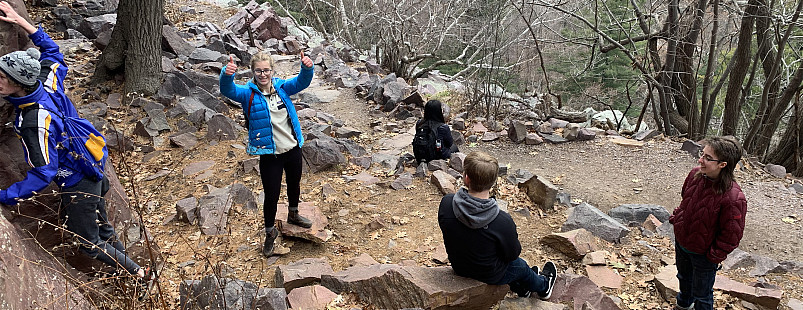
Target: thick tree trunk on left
135 47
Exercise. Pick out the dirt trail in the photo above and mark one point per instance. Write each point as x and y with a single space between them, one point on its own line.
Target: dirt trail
607 175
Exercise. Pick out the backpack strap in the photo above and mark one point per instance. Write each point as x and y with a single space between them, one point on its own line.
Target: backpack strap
250 103
435 128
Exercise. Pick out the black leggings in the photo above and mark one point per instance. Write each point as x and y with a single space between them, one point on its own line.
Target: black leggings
271 167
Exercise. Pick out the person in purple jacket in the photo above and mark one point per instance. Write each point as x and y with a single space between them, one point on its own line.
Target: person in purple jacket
33 82
709 223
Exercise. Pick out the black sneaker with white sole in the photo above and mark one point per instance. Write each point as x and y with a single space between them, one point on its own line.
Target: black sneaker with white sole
528 293
550 272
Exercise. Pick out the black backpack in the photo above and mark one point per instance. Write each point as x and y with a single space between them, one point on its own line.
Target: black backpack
426 145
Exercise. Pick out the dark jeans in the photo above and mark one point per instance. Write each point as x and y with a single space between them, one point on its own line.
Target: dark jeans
271 167
83 211
522 279
696 276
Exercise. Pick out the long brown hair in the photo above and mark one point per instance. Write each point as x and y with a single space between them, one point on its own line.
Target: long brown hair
728 150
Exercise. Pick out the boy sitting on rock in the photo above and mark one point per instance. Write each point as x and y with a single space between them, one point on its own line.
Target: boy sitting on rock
481 240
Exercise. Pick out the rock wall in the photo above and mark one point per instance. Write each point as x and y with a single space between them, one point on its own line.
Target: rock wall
12 37
32 278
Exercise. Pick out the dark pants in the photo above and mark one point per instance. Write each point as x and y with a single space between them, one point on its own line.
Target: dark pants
83 211
271 168
523 279
696 276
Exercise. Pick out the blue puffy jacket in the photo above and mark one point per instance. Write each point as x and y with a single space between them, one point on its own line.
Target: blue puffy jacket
39 130
260 131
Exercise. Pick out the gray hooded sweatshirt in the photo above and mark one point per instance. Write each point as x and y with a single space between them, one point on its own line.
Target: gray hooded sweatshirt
472 211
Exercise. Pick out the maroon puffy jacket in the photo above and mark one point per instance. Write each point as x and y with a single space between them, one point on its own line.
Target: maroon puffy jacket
706 222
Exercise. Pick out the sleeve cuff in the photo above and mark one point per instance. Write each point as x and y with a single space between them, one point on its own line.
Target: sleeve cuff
4 199
39 32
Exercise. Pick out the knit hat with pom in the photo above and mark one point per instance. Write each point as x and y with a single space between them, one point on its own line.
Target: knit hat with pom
22 67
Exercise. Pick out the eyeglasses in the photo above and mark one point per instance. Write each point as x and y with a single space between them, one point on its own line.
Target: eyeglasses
708 157
260 71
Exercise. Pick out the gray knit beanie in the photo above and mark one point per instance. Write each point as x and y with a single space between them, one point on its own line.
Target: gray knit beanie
22 67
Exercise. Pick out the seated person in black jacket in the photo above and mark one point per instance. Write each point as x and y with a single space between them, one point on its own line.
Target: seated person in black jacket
433 115
481 240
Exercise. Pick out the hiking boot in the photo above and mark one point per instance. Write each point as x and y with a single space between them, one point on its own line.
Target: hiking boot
550 272
267 248
145 284
296 219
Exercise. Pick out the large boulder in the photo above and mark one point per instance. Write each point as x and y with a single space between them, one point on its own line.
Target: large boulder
213 293
23 283
301 273
92 27
316 233
638 213
388 286
213 208
517 132
666 282
580 290
13 38
203 55
574 244
444 182
269 25
311 297
322 154
540 191
221 128
598 223
174 43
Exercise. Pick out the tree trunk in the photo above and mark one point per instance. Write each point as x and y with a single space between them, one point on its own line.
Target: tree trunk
685 66
742 56
707 99
135 47
787 152
762 132
769 97
666 79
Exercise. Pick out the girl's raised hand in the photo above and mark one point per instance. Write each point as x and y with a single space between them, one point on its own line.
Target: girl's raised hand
231 67
306 61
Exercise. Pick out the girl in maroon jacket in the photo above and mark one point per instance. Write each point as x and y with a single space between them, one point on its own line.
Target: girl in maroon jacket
709 222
